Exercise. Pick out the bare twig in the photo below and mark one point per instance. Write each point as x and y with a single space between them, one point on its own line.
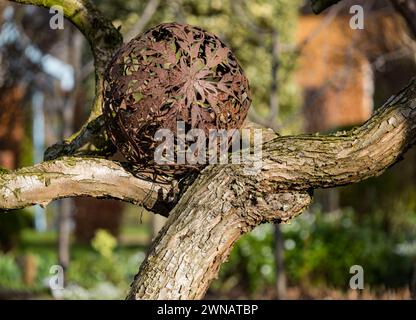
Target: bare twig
145 17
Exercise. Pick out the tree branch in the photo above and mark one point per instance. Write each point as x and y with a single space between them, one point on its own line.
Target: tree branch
91 140
223 203
289 163
308 161
71 177
104 40
202 229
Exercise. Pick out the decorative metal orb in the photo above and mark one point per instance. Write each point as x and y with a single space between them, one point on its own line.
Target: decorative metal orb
173 72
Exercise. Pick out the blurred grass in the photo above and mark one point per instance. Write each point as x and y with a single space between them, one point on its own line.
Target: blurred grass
89 269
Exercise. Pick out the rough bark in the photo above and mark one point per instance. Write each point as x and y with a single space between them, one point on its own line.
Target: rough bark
223 202
70 177
289 163
301 162
202 229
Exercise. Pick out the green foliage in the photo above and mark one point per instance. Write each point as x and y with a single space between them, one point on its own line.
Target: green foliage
11 225
105 265
390 198
319 251
251 263
323 247
93 268
3 171
104 271
10 273
104 243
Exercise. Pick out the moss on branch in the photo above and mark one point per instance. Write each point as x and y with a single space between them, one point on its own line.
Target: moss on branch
104 40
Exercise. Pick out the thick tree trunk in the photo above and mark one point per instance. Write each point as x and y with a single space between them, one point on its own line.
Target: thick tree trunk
224 202
201 231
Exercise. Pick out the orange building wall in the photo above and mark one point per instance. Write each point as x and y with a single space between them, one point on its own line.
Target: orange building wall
335 69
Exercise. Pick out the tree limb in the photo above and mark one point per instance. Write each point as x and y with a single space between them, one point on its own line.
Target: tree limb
91 140
202 229
104 40
289 163
224 203
314 161
71 177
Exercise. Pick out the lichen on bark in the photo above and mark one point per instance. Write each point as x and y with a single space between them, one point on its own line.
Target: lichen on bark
212 212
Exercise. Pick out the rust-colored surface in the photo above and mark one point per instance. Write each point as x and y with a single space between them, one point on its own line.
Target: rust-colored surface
171 73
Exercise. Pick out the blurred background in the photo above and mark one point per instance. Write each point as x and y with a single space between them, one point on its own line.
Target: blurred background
308 74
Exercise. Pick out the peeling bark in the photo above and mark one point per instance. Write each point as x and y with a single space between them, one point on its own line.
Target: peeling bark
201 231
289 163
223 202
314 161
71 177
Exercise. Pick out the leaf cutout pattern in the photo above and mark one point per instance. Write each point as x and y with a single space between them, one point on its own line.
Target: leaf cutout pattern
173 72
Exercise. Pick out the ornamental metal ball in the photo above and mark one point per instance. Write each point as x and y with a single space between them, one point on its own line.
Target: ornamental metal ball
173 72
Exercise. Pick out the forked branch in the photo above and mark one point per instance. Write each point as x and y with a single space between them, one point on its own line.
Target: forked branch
288 163
224 202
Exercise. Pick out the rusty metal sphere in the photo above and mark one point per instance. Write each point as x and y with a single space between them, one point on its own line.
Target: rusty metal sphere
173 72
